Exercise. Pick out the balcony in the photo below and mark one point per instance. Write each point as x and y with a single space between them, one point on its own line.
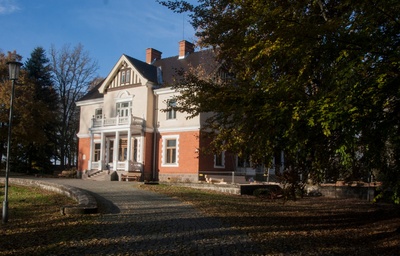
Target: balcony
118 121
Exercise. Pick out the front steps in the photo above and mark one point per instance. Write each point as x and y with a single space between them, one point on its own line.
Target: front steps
99 175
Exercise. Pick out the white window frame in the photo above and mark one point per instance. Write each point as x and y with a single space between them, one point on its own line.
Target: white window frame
246 162
98 113
123 78
164 151
171 113
128 76
159 75
96 151
222 155
123 111
122 149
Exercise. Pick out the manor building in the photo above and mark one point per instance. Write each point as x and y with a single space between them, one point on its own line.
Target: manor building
125 128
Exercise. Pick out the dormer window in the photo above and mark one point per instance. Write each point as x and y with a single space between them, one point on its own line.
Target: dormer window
159 75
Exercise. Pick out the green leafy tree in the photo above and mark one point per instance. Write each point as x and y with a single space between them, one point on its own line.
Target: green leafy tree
316 79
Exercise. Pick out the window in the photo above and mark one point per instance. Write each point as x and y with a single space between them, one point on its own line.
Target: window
219 160
96 152
128 76
170 153
171 113
123 77
159 75
135 150
243 162
123 109
98 113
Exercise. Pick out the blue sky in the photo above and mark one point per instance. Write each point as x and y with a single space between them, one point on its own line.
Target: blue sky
106 28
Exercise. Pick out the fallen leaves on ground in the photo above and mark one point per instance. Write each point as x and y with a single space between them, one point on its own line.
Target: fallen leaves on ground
308 226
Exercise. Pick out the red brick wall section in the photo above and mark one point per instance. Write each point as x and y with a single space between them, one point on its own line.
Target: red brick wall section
206 162
148 156
188 157
84 150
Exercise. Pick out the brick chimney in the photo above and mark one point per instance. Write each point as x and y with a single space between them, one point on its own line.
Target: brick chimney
152 55
185 48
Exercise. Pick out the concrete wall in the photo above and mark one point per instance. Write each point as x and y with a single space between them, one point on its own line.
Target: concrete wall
361 192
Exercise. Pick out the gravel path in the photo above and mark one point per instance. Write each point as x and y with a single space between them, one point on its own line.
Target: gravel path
138 222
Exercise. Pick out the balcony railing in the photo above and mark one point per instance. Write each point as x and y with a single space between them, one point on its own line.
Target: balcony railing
117 121
130 166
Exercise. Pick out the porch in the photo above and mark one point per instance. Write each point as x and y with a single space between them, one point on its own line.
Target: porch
117 144
133 172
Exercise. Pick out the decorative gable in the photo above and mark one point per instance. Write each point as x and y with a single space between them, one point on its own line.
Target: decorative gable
128 71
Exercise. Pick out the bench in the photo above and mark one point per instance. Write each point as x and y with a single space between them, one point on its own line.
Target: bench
131 176
214 180
67 174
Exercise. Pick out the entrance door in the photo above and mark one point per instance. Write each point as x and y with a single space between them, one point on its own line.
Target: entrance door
110 152
123 150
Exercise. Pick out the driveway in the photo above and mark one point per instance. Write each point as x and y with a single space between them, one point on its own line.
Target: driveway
142 222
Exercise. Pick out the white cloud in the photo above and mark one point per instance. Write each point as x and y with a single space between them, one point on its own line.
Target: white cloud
8 6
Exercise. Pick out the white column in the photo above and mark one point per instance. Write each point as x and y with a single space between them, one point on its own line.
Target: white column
102 152
116 151
91 152
141 154
129 150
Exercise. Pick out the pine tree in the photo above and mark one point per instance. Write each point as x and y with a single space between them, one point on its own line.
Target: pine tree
38 71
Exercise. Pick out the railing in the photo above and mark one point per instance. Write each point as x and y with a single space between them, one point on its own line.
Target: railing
120 165
116 121
95 165
219 175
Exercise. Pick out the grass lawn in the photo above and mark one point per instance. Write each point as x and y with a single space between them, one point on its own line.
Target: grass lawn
309 226
35 225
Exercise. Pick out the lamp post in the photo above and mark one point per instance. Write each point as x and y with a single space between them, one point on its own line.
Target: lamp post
14 68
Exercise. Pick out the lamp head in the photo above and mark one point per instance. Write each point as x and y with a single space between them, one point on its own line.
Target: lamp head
14 67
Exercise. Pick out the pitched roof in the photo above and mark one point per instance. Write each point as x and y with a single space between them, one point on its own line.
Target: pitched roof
93 93
146 70
171 65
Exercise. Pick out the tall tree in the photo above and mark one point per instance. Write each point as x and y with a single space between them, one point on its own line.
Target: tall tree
39 72
316 79
73 71
4 86
28 116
